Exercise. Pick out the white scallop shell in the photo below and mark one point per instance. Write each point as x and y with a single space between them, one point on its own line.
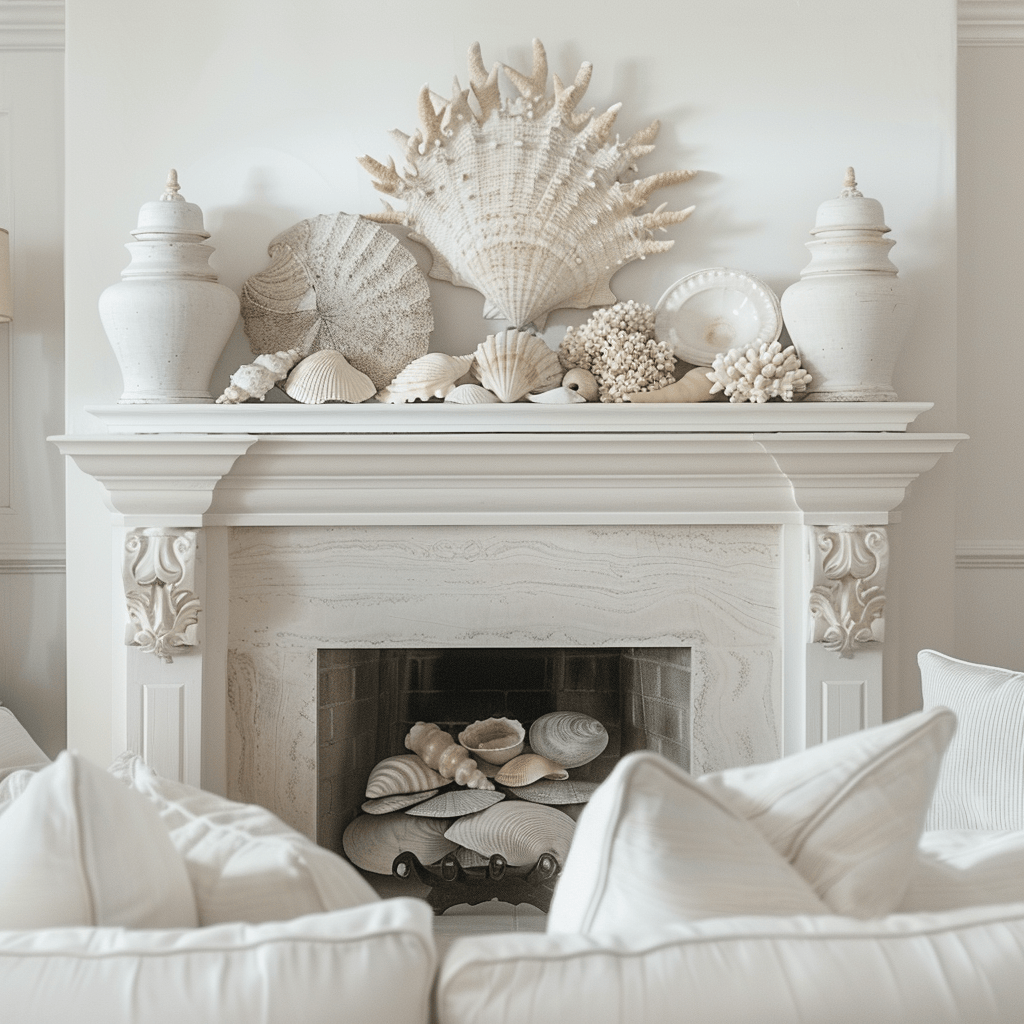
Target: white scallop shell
431 376
339 281
457 802
527 768
520 197
402 773
518 830
561 791
471 394
513 363
568 737
558 396
582 381
493 740
373 841
327 376
396 801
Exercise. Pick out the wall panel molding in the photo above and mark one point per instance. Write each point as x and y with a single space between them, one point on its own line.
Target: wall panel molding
990 22
31 24
990 554
31 558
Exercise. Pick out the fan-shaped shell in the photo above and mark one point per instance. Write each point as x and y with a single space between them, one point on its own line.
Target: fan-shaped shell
402 773
568 737
471 394
513 363
327 376
457 802
373 841
396 801
493 740
339 281
558 396
561 791
431 376
527 768
520 831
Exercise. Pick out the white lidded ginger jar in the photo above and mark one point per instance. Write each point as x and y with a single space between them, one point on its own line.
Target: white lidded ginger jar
849 313
168 319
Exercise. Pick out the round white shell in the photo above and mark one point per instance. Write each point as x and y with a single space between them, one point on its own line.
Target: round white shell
402 773
327 376
340 281
527 768
513 363
457 802
568 737
431 376
493 740
558 396
518 830
373 841
583 381
471 394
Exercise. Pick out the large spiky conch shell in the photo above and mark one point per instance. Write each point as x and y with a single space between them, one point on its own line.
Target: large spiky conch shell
442 753
255 379
521 198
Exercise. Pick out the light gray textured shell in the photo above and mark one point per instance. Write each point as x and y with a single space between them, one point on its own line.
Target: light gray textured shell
373 841
396 801
457 802
518 830
327 376
402 773
568 737
527 768
494 740
555 792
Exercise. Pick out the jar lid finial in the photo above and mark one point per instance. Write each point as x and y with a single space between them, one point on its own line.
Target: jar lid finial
850 190
172 188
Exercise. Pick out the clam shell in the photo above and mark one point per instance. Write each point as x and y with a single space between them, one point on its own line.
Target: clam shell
402 773
471 394
471 859
558 396
327 376
373 841
562 791
431 376
396 802
568 737
341 282
457 802
583 381
527 768
518 830
493 740
513 363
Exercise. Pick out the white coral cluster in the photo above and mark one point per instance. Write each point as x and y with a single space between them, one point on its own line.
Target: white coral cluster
756 375
617 345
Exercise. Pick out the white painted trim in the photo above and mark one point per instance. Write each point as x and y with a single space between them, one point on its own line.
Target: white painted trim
31 24
990 22
990 554
31 558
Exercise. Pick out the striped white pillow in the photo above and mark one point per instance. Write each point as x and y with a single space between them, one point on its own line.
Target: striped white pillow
981 782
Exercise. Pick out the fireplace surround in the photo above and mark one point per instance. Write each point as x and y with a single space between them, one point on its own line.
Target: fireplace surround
255 537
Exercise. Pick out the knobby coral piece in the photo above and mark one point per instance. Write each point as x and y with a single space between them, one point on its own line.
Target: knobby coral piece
757 375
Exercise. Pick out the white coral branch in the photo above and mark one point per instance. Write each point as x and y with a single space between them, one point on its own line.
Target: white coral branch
757 375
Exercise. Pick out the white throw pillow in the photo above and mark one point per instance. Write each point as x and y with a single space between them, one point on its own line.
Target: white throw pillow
77 848
847 814
17 749
981 784
245 863
13 785
653 847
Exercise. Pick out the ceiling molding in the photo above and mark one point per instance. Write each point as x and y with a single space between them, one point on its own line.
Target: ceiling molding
990 22
31 24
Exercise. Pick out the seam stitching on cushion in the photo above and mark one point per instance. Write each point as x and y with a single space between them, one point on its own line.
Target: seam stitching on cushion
79 820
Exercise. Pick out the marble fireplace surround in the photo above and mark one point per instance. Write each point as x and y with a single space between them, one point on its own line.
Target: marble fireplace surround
254 536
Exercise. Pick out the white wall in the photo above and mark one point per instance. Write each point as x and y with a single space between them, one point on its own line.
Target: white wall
262 107
32 648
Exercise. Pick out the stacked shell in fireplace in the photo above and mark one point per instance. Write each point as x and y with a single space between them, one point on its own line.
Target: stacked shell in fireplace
486 794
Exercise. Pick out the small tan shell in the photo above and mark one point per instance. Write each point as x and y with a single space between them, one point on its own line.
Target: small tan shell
440 751
518 830
327 376
373 841
431 376
472 394
558 396
494 740
693 386
527 768
396 802
255 379
402 773
513 363
547 791
457 802
582 381
569 738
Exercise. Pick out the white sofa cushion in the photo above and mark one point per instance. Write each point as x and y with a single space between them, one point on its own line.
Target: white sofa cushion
17 749
374 963
848 814
963 966
653 846
981 784
13 785
77 848
244 862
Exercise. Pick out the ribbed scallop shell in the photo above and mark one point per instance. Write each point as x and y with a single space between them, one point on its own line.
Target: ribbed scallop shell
568 737
471 394
457 802
527 768
513 363
402 773
373 841
339 281
396 801
518 830
558 396
431 376
520 197
493 740
548 791
327 376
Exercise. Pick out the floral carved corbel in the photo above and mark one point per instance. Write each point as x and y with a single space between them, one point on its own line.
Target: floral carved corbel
847 602
159 587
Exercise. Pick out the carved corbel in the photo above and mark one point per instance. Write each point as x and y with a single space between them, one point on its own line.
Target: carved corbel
847 602
159 568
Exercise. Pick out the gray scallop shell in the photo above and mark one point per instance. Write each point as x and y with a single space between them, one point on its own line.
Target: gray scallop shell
555 791
402 773
373 841
457 802
568 737
527 768
518 830
396 801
